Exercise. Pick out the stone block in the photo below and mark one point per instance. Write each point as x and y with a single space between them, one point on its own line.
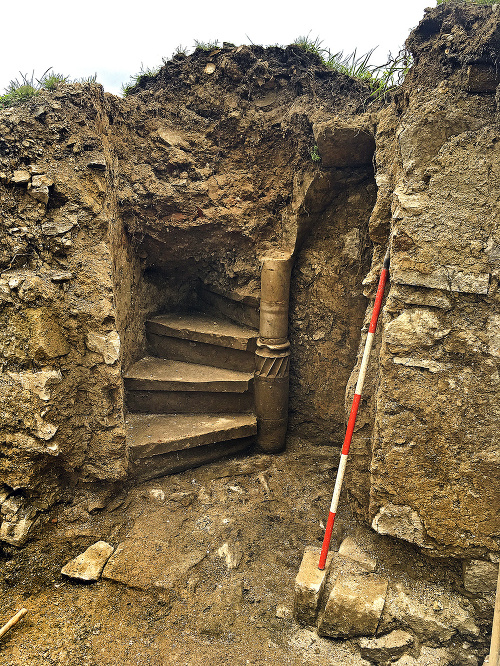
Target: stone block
46 336
108 345
480 577
431 611
353 550
354 606
401 522
427 657
89 565
309 585
148 564
387 648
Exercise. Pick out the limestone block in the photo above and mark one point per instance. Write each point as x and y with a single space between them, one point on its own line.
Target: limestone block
354 606
148 564
480 577
41 180
20 177
40 193
387 648
431 611
401 522
427 657
231 554
108 345
341 145
90 564
46 337
38 383
309 585
15 532
353 550
414 329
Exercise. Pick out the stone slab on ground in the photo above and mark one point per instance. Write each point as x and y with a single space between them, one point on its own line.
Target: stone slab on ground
309 585
89 564
387 648
431 611
354 606
427 657
148 564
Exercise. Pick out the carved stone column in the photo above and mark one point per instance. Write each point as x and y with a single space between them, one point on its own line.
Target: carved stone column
272 357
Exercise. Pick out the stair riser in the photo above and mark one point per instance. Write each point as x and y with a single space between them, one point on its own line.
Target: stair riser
237 312
178 461
132 384
200 352
189 402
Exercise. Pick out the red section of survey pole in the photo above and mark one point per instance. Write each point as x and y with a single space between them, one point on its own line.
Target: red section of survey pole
354 412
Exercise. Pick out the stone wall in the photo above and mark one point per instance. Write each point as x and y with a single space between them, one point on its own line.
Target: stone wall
426 457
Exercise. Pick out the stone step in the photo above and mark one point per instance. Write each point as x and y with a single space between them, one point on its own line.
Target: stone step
160 374
241 308
161 386
204 339
161 444
189 402
154 434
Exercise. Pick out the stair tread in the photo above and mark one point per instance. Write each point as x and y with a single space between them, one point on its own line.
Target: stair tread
151 372
156 434
203 327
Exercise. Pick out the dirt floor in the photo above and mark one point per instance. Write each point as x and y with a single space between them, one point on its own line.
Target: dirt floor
212 557
231 607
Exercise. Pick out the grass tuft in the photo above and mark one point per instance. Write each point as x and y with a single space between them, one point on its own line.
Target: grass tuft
137 79
206 46
24 88
381 78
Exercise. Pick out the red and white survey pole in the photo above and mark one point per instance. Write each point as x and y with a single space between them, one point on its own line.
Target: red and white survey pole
354 412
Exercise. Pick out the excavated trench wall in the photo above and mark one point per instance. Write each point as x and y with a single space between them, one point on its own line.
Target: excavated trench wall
113 210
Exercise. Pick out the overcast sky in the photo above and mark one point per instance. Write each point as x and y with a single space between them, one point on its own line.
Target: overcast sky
113 39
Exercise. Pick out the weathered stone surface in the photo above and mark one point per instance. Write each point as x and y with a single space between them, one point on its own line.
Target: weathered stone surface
480 577
353 550
15 531
432 612
427 657
21 177
108 345
39 383
414 329
89 565
401 522
387 648
354 606
309 586
47 340
147 564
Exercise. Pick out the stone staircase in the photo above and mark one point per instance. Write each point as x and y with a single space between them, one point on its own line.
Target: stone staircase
191 401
